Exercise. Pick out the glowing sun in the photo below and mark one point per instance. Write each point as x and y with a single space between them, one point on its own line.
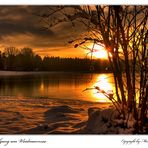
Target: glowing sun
99 52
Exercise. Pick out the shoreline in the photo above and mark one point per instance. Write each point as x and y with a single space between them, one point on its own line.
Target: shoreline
13 73
59 116
35 117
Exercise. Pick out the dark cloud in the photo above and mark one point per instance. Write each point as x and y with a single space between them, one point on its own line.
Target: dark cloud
11 28
21 26
18 20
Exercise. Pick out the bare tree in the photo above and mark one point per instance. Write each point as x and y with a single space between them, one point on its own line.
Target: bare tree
123 30
10 51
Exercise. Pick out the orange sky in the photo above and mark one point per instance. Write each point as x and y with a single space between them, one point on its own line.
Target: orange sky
19 27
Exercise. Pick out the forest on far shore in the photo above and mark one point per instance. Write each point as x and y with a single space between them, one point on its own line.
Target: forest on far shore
13 59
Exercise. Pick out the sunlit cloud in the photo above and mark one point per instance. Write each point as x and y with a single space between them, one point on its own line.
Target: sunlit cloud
20 27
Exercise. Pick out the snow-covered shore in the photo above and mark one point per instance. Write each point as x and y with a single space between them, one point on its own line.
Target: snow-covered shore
44 115
60 116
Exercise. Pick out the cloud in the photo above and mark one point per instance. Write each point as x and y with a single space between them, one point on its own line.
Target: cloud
20 20
20 26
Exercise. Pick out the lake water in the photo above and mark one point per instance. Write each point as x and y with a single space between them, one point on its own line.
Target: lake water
59 85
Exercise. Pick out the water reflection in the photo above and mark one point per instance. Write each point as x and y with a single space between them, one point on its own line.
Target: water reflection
104 82
57 85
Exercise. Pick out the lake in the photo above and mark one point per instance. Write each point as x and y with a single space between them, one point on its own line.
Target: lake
59 85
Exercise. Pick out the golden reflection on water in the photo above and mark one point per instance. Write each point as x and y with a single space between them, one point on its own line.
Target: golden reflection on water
74 88
42 87
59 85
104 82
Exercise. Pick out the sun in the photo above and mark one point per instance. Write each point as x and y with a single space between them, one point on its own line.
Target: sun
99 52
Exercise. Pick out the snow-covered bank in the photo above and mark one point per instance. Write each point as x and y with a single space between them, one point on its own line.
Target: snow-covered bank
22 73
60 119
43 115
71 120
107 121
61 116
68 120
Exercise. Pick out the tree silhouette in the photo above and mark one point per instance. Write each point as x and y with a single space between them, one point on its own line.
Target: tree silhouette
37 63
9 54
123 32
26 60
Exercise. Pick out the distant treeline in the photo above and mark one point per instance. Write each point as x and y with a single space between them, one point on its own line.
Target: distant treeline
26 60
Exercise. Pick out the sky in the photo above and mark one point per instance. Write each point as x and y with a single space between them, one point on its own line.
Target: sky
21 27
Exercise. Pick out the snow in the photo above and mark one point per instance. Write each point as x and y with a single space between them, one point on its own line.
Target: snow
43 115
61 116
108 121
